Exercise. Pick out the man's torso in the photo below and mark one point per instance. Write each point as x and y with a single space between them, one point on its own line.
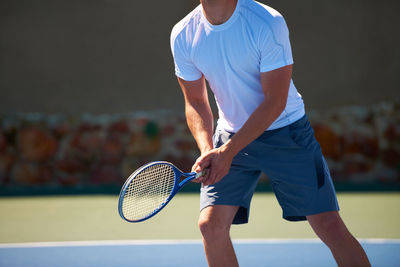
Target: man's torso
230 56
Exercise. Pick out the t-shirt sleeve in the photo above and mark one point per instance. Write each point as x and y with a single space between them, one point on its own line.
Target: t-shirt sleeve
184 67
274 45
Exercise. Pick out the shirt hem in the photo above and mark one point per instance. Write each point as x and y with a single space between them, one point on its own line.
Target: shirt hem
273 126
290 120
188 78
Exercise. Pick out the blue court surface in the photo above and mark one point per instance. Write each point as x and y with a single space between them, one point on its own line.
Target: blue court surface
251 253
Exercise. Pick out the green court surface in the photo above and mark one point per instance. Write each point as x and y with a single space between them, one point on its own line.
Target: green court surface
75 218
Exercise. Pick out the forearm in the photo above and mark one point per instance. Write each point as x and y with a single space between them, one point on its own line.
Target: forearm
219 160
276 89
201 124
265 114
275 85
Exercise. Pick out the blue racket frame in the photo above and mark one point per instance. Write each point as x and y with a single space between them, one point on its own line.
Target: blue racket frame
177 186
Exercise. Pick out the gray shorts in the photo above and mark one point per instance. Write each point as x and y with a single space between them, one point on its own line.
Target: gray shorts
292 159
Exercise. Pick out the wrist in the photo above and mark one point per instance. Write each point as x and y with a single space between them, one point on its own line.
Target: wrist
230 148
205 149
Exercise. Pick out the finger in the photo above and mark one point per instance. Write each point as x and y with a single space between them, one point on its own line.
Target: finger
204 177
210 177
206 174
201 178
216 176
204 164
195 167
198 180
196 164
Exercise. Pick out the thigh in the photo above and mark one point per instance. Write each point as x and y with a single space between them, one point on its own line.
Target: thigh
292 159
327 225
323 218
234 189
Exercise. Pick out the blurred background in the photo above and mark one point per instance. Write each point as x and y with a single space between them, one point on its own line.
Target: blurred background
88 91
88 94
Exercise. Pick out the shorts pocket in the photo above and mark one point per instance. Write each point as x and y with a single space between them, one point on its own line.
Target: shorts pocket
302 135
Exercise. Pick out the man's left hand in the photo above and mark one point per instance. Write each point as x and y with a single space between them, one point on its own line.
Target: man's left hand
218 162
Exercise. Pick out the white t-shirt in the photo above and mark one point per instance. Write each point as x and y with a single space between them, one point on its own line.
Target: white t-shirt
231 57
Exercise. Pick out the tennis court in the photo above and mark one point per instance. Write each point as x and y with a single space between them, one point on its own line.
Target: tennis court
87 231
268 252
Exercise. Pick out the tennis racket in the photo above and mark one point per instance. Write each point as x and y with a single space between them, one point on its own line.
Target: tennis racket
150 188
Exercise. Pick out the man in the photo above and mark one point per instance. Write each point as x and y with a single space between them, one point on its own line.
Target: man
242 49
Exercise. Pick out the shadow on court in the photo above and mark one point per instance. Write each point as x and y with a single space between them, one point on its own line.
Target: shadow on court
251 253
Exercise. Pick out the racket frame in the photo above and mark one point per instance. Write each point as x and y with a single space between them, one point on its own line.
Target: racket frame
177 186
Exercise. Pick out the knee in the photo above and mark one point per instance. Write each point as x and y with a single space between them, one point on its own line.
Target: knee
213 229
333 225
330 227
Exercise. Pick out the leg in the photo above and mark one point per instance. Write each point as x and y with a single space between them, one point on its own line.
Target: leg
215 223
333 232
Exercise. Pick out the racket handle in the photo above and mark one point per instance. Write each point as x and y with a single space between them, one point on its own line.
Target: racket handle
202 173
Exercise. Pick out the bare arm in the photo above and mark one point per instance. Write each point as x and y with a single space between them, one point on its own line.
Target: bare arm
198 112
275 85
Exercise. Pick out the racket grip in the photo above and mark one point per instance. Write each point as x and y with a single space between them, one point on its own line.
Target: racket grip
202 173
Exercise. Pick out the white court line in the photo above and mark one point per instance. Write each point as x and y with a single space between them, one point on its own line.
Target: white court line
177 242
100 243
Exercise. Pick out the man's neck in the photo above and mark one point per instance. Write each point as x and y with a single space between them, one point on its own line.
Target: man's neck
218 11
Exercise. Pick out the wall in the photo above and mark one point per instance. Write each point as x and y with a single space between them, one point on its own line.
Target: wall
55 152
64 63
103 56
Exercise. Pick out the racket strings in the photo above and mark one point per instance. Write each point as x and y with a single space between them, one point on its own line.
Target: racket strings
148 191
